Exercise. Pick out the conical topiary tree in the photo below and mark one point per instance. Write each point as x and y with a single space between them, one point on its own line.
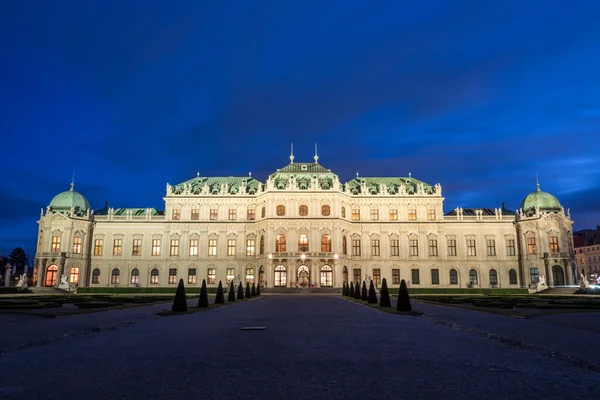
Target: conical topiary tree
357 291
403 299
257 290
220 299
351 290
203 300
363 292
372 294
253 290
180 301
346 289
248 293
384 296
240 294
343 288
231 292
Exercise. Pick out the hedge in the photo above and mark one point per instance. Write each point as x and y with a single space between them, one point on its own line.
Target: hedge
461 291
165 290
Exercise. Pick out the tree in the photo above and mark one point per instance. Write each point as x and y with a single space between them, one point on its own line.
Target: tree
351 290
253 290
357 293
403 299
240 294
231 293
257 290
248 293
203 300
344 289
372 294
363 292
18 259
180 301
384 297
220 299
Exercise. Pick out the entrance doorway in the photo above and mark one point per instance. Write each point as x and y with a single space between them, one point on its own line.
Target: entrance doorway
261 276
326 276
558 275
51 273
280 276
303 276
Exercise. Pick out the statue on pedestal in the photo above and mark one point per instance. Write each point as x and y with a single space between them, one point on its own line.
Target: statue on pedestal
541 285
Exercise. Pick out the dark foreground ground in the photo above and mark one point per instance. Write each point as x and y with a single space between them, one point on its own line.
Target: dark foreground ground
316 347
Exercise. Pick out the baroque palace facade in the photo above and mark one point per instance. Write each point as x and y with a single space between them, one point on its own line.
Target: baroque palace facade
303 227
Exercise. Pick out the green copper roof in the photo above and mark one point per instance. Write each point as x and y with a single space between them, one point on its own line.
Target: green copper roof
372 185
542 200
65 200
233 184
304 168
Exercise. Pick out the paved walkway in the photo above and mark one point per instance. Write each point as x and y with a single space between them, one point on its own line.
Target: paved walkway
318 347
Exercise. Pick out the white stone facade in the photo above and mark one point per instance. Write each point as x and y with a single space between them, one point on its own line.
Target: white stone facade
221 228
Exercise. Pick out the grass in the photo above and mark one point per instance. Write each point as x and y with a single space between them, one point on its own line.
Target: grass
390 310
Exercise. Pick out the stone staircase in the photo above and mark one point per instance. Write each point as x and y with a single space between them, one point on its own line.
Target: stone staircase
559 290
300 291
45 290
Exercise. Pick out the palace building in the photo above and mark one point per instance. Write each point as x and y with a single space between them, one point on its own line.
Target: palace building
303 227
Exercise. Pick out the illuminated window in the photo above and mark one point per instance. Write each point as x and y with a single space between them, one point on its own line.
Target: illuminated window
433 249
172 275
393 214
232 214
512 276
493 277
356 275
343 212
231 247
280 276
553 244
302 210
211 276
473 277
376 276
452 247
117 247
435 276
55 244
74 275
431 214
416 279
154 277
191 276
137 247
375 247
135 276
230 274
214 214
491 247
325 210
98 247
250 275
212 247
262 245
356 247
77 240
195 214
115 276
96 275
176 214
412 214
326 243
344 245
471 250
396 276
249 247
326 276
280 210
531 245
510 247
174 247
374 214
414 247
303 243
280 244
356 214
193 247
394 247
156 247
251 214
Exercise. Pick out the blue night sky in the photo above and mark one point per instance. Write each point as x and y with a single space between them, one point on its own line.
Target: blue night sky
130 95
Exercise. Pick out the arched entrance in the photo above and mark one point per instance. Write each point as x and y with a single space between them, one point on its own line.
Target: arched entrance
303 276
345 275
326 276
51 273
280 276
261 276
558 275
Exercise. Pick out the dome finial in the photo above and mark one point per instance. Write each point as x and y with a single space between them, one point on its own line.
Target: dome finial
316 155
537 183
292 153
73 182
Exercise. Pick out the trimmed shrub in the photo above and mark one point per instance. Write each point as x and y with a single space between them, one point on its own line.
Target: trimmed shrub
257 290
363 293
180 302
351 290
384 296
372 294
231 293
357 291
253 290
220 299
248 293
203 300
240 294
403 299
344 289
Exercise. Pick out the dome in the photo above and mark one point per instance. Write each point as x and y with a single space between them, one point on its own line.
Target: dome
542 200
65 200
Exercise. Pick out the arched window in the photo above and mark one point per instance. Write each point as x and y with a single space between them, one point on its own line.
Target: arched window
96 275
343 212
280 276
345 275
473 277
326 276
280 244
263 212
325 210
344 245
303 243
154 276
493 277
51 275
261 276
262 245
326 244
135 276
303 210
115 276
280 210
512 276
250 275
453 277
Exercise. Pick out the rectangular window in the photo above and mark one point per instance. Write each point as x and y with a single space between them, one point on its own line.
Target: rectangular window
231 247
191 276
211 276
251 214
77 245
553 244
393 214
376 276
96 276
156 247
431 214
471 250
396 276
452 247
250 247
195 214
535 275
356 247
212 247
394 247
250 275
193 247
232 214
137 247
213 214
375 247
117 247
176 214
98 247
531 245
374 214
435 276
433 250
172 275
510 247
355 214
74 276
414 247
174 247
357 275
416 280
491 247
412 214
55 244
230 275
